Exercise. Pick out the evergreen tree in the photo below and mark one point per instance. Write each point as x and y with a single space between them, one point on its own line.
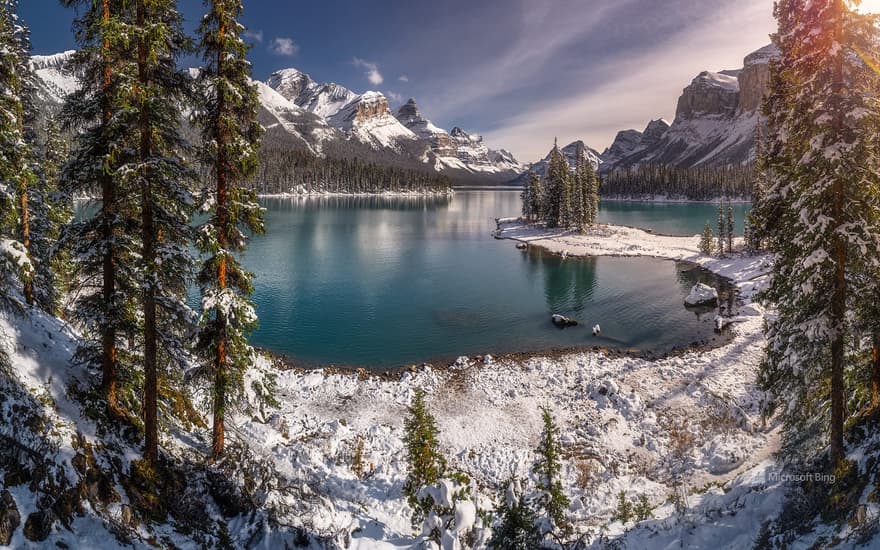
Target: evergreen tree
518 525
51 210
557 189
536 193
592 195
14 263
722 228
707 241
230 130
818 211
105 247
548 468
578 180
731 227
158 170
425 464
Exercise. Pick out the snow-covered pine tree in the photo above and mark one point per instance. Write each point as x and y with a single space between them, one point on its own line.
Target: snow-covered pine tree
151 114
578 183
53 210
731 226
707 240
527 200
722 229
548 468
16 106
554 188
517 527
13 255
425 464
231 134
818 211
592 194
105 247
536 195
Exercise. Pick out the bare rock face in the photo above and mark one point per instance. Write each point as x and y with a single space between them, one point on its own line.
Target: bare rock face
709 94
370 106
754 80
10 518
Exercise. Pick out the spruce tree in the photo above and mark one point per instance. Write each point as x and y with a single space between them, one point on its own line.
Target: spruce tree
557 189
707 241
105 247
230 130
818 211
722 229
731 227
425 464
536 194
14 263
517 527
548 468
151 114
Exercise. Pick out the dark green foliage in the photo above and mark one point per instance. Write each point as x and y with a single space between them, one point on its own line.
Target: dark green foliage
531 197
722 229
731 227
565 199
817 214
548 468
517 526
288 170
701 183
624 512
707 241
231 137
16 147
557 190
425 464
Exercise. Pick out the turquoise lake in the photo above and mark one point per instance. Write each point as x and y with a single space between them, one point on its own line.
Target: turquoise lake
669 218
383 282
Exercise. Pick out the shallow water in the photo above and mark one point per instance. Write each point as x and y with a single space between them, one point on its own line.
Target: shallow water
382 282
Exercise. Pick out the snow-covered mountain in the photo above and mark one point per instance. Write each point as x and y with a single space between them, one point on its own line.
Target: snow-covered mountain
570 152
458 149
367 118
714 123
332 120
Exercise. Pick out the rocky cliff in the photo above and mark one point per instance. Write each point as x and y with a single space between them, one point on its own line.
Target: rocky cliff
714 123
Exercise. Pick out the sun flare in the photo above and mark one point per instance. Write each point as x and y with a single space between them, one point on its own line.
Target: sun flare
869 6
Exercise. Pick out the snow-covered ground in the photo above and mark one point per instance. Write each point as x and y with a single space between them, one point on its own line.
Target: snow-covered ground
685 431
628 424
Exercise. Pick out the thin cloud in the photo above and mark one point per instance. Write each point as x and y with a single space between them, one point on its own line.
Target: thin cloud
284 46
371 71
635 89
394 96
403 78
255 36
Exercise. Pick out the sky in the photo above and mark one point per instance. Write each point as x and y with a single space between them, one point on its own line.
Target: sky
520 72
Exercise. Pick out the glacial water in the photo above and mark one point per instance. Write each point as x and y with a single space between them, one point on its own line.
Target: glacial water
383 282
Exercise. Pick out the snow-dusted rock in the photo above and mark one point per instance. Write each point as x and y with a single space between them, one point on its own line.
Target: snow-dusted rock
597 330
563 321
702 295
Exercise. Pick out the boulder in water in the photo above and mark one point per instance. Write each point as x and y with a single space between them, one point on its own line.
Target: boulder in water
563 321
702 295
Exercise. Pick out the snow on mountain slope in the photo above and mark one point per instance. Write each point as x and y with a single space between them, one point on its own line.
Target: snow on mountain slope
56 78
570 153
285 121
714 123
324 100
457 150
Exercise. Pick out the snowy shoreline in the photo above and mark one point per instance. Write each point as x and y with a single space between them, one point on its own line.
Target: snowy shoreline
322 194
615 414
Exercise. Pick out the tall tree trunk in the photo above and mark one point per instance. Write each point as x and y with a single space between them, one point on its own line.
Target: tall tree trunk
875 368
28 289
220 378
839 289
151 428
108 205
